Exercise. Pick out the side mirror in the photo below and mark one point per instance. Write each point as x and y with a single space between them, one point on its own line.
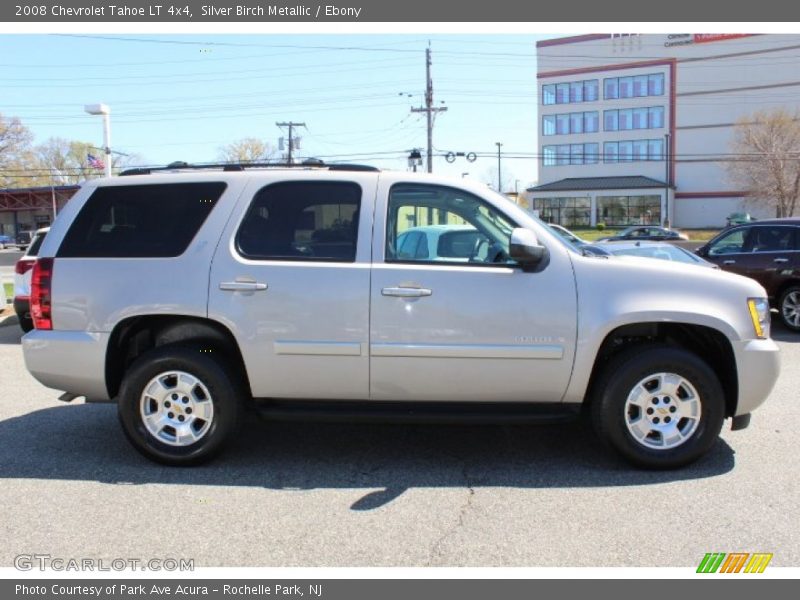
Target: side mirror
525 249
702 251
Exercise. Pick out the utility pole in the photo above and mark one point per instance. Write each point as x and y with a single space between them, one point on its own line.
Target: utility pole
666 222
428 108
290 125
499 177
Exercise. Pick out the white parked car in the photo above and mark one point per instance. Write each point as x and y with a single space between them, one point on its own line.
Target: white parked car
186 295
439 242
22 280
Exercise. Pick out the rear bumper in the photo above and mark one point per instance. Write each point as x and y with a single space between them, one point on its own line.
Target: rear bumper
71 361
758 364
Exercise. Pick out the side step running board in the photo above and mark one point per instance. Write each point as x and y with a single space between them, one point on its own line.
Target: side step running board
417 412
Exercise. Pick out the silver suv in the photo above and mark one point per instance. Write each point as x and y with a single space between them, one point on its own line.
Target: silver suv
187 295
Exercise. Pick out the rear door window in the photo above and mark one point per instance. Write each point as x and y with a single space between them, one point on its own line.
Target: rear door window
302 220
140 221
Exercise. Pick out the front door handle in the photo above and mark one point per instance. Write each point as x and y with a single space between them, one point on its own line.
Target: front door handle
780 261
242 286
728 262
406 292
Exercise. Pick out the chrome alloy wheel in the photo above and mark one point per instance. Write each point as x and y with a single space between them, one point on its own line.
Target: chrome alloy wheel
790 309
176 408
662 411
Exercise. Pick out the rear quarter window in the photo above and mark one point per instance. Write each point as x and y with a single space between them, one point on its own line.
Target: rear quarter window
140 221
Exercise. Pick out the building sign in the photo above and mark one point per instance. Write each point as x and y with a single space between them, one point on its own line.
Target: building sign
686 39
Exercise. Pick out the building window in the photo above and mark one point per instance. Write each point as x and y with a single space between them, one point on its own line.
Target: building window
549 156
655 117
549 125
579 122
562 155
576 154
591 122
562 93
626 119
570 93
591 153
591 90
633 151
576 123
639 86
569 211
655 149
570 154
629 210
611 120
610 151
562 124
626 151
576 91
655 84
634 118
549 94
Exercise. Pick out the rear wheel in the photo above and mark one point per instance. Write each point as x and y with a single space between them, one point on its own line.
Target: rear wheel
179 405
789 308
660 407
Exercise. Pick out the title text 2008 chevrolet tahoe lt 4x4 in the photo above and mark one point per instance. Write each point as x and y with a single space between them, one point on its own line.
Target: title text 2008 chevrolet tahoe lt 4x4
187 295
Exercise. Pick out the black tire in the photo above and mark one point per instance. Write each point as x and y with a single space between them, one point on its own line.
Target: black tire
213 372
25 323
788 306
622 375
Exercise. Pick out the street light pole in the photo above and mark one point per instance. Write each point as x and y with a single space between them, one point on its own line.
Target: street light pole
105 111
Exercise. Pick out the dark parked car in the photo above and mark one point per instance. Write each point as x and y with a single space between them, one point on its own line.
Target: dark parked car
645 232
769 252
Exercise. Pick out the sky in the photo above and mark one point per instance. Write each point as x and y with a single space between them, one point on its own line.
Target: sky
183 97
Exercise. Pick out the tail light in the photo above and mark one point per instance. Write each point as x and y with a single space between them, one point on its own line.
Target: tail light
41 298
24 265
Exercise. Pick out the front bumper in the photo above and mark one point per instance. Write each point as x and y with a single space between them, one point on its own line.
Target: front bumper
71 361
758 364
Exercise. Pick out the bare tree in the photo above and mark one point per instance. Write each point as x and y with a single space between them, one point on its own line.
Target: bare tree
246 150
15 152
766 148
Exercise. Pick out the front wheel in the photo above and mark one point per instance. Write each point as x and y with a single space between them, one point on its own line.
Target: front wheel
789 308
179 405
660 407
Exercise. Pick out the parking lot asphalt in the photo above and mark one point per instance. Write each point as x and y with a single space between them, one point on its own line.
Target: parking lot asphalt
306 494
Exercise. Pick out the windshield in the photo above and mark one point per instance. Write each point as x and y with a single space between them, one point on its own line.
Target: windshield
665 252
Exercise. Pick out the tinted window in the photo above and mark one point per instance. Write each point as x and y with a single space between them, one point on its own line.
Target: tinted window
732 243
33 249
302 220
140 220
773 239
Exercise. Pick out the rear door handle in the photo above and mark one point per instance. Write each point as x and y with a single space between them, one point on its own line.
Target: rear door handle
242 286
406 292
728 262
780 261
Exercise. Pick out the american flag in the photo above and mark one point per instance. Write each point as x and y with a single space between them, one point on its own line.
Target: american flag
94 162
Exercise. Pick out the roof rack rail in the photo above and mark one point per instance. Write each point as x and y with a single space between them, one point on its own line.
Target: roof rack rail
306 164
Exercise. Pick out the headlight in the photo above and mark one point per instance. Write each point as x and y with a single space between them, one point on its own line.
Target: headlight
759 313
